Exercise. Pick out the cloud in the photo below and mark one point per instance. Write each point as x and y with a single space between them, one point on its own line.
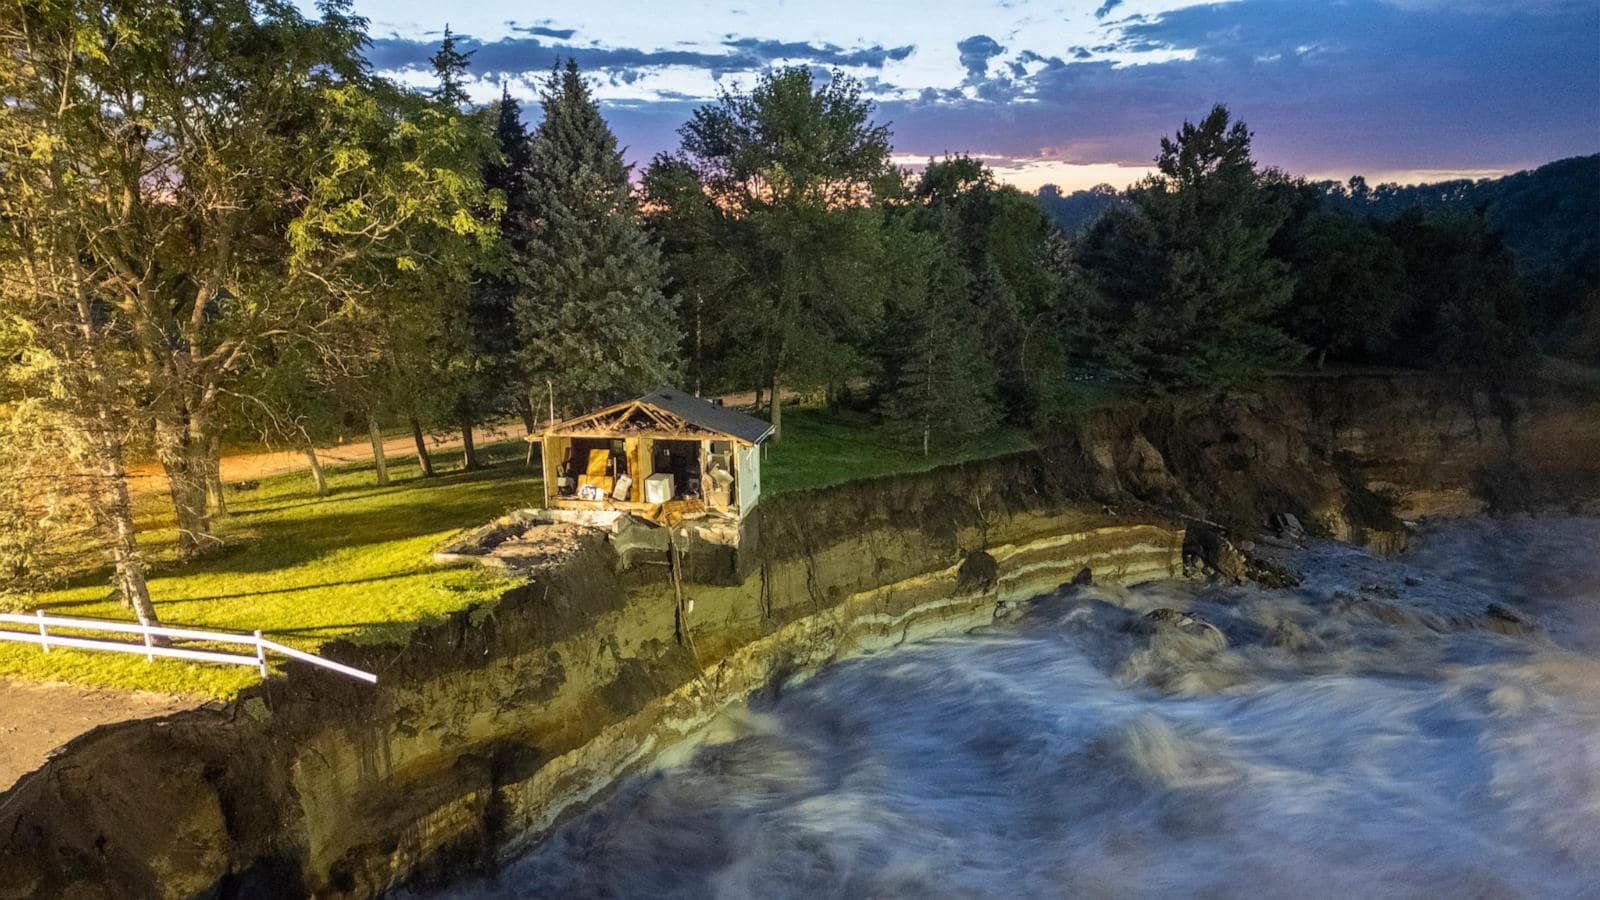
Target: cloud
1364 84
976 51
530 54
769 51
1050 62
1359 85
1106 8
542 31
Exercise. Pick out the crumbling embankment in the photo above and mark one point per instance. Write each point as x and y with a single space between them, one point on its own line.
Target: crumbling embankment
1353 456
488 728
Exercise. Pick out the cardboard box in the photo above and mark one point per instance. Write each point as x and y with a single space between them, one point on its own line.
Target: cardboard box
599 486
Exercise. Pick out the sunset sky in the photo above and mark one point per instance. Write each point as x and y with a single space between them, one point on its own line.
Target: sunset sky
1076 93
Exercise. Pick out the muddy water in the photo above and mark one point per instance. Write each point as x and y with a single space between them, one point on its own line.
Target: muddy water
1422 727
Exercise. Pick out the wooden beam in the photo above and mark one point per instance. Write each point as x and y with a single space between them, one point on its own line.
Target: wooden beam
661 417
617 434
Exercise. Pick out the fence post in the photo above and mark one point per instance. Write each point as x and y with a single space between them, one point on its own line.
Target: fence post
261 655
44 636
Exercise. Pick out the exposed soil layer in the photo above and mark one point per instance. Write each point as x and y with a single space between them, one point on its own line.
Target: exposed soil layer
488 729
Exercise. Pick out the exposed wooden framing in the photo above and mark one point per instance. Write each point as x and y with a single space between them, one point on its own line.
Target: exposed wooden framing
613 422
705 481
613 435
620 435
662 418
639 426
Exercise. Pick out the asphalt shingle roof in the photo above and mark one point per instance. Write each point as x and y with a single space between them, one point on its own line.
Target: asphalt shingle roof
708 415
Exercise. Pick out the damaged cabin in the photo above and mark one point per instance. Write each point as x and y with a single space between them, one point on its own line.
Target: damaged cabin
666 457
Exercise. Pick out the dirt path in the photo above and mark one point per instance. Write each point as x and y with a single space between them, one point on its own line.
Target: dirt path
263 464
37 718
266 463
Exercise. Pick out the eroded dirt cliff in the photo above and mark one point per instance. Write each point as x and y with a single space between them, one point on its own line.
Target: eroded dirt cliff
489 728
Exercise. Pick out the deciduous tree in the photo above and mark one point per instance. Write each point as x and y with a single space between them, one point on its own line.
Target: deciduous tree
1209 318
233 175
1350 288
782 181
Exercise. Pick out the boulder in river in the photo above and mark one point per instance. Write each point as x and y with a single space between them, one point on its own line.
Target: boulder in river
1165 620
1506 620
1208 552
1287 526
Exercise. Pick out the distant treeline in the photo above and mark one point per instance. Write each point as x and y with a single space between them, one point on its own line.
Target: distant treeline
1547 218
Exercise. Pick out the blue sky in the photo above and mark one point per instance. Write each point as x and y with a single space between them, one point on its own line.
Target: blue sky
1076 92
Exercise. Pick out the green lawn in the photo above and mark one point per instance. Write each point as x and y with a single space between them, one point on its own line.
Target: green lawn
358 564
303 569
821 448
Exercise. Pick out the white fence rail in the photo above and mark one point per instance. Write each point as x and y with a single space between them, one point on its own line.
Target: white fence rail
40 625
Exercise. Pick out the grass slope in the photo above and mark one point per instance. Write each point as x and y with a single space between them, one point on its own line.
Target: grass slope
820 448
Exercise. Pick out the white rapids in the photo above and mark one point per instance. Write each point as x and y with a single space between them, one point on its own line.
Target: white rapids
1422 727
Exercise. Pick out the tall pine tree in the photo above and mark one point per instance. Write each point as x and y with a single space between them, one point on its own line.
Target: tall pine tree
590 311
939 384
1210 318
450 65
1002 238
475 345
493 315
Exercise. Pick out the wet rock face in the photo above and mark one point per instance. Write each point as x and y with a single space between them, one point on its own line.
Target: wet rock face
1346 457
979 573
1174 650
1504 619
1236 460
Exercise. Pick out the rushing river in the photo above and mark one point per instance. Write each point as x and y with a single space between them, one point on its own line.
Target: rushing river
1427 727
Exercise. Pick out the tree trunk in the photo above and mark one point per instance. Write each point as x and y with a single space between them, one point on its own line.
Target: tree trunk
380 463
184 460
423 459
699 349
319 477
214 476
469 453
117 511
777 410
113 506
530 421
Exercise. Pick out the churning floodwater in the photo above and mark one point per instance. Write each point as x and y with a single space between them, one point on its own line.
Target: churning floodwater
1422 727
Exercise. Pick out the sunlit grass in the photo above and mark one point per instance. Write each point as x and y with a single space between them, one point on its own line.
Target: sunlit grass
303 569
